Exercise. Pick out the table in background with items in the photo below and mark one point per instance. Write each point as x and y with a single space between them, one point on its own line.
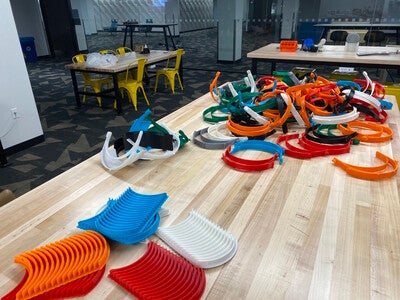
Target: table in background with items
121 66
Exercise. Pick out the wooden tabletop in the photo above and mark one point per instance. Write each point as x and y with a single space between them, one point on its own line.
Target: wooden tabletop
330 53
124 61
305 229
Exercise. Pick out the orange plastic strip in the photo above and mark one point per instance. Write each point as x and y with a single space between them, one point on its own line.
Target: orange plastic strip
62 262
381 133
370 173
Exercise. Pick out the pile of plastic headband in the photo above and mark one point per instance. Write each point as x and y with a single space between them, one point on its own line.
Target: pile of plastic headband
145 140
254 109
161 274
71 267
130 219
334 115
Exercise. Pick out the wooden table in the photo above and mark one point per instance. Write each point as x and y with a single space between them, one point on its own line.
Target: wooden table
120 67
148 27
359 25
331 55
304 228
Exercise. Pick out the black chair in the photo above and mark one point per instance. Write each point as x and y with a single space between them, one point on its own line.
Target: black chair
339 36
375 37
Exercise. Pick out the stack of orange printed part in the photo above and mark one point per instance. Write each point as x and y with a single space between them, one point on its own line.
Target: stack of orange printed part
70 267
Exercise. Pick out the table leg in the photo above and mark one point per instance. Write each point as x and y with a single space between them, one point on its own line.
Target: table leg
131 35
125 34
75 85
118 96
273 67
165 38
171 37
254 62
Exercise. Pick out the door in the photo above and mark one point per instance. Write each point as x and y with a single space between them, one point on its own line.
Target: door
60 28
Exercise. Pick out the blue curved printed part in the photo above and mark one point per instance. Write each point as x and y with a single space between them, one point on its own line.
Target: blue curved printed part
386 104
348 83
141 123
259 145
131 218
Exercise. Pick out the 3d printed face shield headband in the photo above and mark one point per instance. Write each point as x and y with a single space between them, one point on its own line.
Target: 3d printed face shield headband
336 119
203 140
380 133
370 173
112 161
248 164
310 149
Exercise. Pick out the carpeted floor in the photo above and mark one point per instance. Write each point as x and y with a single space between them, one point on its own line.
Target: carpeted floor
72 135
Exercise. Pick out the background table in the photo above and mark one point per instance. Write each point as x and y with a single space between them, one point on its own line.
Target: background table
120 67
331 55
148 27
304 228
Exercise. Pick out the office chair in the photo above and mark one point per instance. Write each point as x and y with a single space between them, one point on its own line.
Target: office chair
132 85
338 36
375 37
170 73
95 82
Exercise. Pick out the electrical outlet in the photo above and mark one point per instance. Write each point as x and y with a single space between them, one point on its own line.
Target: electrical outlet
14 113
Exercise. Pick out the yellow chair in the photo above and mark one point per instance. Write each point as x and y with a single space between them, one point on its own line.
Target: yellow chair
106 51
95 82
170 73
122 50
132 85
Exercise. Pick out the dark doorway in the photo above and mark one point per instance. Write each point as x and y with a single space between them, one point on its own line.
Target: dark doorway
60 28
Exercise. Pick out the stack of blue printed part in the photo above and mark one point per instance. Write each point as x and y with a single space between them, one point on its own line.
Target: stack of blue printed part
130 219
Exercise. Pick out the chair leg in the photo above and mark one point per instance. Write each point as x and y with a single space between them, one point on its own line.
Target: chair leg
144 94
179 80
171 80
84 96
97 90
156 84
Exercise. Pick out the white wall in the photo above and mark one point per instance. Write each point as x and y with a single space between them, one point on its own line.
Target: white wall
16 90
28 18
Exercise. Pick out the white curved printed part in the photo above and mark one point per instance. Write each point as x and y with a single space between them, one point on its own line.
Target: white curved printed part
252 82
247 81
112 161
200 241
369 82
365 97
339 119
216 132
232 89
260 119
293 110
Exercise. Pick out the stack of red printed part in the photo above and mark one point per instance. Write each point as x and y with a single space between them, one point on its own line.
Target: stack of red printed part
161 274
71 267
